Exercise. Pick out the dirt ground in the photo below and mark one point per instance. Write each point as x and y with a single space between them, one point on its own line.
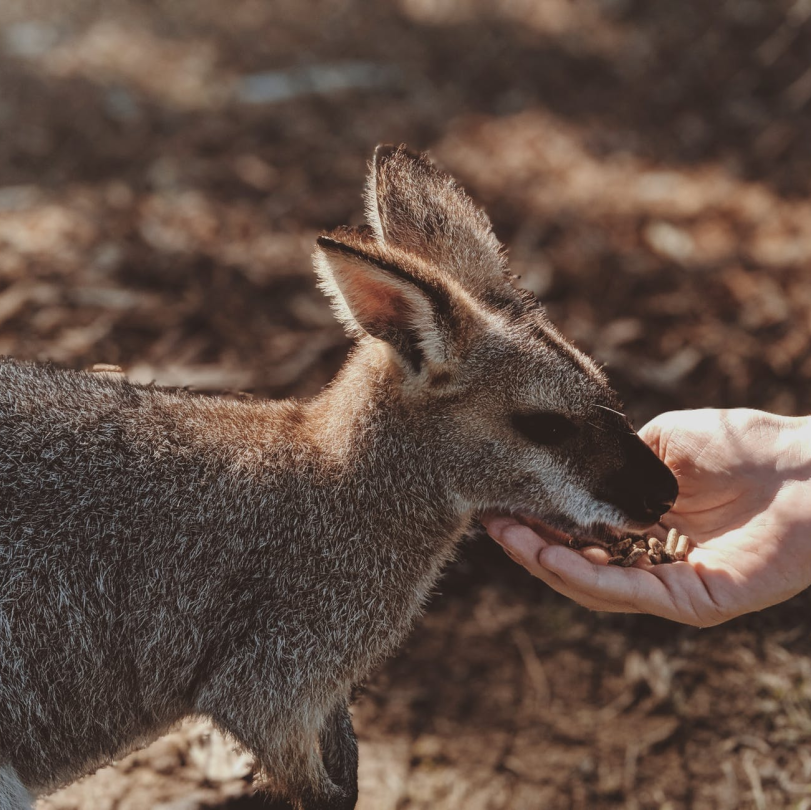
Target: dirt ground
164 169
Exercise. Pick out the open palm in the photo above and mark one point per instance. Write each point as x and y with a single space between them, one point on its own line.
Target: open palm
744 500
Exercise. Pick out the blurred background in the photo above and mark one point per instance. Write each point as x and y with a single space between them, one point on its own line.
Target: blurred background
165 166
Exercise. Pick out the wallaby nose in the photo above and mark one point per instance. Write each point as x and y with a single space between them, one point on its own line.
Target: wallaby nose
659 503
643 487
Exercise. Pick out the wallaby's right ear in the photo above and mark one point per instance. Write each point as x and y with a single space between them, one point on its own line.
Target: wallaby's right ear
373 295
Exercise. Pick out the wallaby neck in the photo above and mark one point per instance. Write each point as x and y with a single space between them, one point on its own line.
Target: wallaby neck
363 424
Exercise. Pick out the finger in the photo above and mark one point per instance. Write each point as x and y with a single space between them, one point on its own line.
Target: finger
637 589
532 565
522 544
595 554
526 548
496 524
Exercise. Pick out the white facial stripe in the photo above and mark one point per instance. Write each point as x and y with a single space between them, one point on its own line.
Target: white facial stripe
575 502
585 510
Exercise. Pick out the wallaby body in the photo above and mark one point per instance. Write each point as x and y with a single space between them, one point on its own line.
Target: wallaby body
164 554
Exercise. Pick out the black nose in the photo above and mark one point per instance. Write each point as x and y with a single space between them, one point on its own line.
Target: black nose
658 503
643 487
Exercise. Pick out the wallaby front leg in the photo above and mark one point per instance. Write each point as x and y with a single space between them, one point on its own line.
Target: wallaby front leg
291 760
310 787
339 749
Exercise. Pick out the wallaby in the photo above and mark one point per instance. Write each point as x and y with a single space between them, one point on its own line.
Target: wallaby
164 554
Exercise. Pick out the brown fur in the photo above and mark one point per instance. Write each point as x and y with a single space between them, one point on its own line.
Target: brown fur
163 555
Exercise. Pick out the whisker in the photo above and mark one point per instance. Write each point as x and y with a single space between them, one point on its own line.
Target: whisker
618 413
606 408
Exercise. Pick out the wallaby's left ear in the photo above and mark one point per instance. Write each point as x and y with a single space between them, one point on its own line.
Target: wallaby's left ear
412 205
373 295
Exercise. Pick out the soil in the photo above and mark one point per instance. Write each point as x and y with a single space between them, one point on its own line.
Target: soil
164 169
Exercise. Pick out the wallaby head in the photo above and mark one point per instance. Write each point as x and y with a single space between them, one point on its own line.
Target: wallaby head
525 423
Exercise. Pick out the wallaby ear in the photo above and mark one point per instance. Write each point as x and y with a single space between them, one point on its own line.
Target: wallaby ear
412 205
373 295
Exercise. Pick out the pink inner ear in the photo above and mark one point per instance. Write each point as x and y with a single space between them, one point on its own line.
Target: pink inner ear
377 303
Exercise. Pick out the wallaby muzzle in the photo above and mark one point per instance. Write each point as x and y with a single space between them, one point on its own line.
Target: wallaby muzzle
642 487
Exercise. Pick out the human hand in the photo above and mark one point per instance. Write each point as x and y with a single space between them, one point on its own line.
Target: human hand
745 502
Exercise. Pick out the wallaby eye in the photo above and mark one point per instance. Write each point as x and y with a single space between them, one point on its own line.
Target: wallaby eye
544 427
